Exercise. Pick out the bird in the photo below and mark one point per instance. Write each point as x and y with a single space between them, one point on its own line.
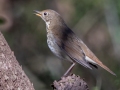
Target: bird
65 44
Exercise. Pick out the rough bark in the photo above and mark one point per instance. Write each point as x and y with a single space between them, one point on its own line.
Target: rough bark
71 82
12 77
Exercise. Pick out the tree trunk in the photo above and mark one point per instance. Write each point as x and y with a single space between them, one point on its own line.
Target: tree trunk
12 77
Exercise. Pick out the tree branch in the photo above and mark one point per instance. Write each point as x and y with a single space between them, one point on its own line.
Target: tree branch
71 82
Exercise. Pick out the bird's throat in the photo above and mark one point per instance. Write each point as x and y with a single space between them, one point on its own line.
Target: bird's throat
48 25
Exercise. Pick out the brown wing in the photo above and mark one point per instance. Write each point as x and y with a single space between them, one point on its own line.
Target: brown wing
75 53
65 41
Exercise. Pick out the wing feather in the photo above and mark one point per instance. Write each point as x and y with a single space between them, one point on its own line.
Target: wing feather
67 44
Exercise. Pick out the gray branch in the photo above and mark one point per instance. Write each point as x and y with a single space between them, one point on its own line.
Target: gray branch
71 82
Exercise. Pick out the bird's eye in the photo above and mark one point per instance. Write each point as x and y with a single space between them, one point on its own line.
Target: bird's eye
45 13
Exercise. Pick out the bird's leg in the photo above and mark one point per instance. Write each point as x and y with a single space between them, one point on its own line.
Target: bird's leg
69 70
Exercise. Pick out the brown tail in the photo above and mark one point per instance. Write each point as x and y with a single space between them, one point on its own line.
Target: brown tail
106 68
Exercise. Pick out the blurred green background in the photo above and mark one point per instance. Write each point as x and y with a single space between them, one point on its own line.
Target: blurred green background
96 22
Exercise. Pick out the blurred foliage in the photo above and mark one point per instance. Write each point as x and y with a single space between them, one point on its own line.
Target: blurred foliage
2 21
27 38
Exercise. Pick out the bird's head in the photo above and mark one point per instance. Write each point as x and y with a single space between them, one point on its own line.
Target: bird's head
47 15
50 17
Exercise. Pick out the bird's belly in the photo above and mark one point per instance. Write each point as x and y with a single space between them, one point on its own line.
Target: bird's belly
53 46
56 49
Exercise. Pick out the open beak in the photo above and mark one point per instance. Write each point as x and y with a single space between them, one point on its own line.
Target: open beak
38 13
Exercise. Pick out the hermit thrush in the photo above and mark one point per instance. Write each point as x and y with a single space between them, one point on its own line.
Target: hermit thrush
63 42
